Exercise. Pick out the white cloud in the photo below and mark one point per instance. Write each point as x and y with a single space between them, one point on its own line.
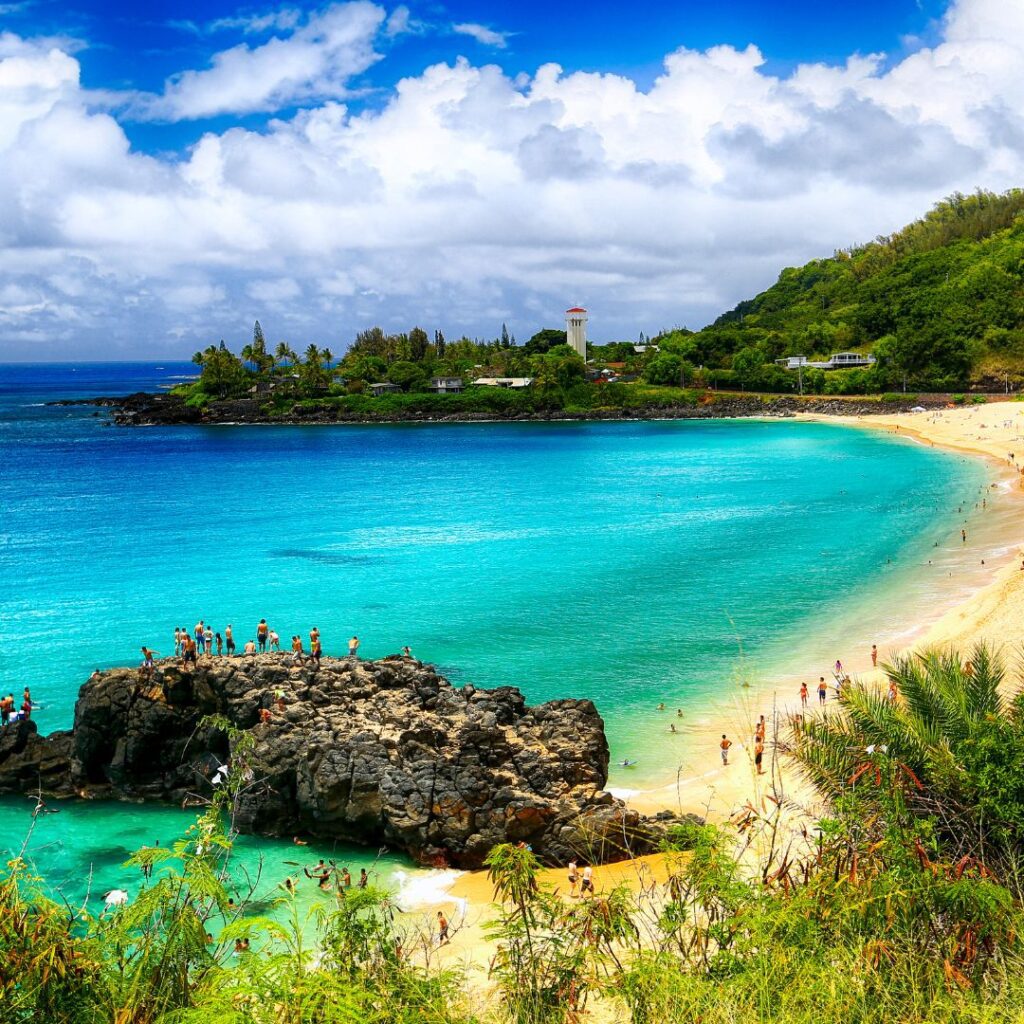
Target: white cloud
315 61
482 34
469 198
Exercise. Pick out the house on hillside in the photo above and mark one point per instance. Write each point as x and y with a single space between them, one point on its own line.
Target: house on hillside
446 385
836 361
383 388
503 382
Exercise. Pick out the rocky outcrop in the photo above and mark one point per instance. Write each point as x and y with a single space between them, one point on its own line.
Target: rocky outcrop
168 410
369 752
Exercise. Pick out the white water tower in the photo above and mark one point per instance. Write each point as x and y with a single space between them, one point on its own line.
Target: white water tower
576 330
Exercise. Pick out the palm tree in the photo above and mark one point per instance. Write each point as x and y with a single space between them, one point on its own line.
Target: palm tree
916 741
284 353
313 355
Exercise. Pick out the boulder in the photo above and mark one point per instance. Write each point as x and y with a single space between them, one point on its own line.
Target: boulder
376 752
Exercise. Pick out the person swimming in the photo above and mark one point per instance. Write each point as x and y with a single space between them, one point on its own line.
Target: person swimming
624 763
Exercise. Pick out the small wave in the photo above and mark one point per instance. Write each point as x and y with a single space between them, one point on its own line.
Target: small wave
427 888
622 794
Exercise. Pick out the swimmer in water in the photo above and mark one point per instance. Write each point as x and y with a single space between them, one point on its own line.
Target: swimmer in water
626 764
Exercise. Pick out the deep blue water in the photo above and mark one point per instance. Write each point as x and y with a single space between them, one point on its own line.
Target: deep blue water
626 562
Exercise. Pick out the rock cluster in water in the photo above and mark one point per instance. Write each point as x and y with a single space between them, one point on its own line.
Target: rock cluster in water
374 752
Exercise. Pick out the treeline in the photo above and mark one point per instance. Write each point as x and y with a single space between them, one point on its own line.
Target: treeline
281 376
940 304
901 903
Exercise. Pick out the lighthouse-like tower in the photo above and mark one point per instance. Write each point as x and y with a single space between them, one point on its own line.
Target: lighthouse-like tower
576 330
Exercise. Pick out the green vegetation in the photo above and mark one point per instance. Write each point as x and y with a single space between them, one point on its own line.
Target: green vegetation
940 304
902 904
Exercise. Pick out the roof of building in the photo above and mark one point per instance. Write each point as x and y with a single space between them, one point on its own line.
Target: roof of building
576 309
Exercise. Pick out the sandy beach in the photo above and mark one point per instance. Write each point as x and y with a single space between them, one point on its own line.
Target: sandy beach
993 612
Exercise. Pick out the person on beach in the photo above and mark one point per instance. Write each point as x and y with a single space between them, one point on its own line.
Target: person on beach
262 631
229 640
724 746
364 878
661 707
803 694
759 754
759 729
275 640
672 727
874 656
353 647
587 885
963 536
148 662
574 878
893 691
822 690
838 669
442 929
679 712
346 878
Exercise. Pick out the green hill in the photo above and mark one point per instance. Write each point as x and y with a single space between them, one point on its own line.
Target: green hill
940 304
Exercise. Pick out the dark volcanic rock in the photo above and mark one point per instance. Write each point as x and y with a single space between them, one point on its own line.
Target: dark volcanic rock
370 752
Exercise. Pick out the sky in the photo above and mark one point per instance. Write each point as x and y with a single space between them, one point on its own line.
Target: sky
172 171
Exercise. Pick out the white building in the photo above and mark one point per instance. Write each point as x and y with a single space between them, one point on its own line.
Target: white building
576 330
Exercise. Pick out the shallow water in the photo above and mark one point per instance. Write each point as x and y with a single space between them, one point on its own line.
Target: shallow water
630 563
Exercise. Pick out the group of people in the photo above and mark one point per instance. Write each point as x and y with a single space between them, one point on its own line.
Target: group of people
324 871
8 711
581 880
202 640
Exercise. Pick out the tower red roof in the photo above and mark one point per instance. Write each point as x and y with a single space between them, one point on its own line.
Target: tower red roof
576 309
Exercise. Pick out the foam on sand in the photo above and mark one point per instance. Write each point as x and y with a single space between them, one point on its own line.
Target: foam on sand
428 888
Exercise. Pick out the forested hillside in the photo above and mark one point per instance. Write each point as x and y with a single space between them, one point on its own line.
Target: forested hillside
940 304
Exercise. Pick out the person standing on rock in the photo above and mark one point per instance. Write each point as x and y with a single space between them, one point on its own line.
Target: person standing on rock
574 878
200 636
250 647
262 631
220 645
353 647
275 640
229 639
208 639
177 641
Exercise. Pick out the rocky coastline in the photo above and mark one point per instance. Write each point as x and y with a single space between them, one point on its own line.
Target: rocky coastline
146 409
372 752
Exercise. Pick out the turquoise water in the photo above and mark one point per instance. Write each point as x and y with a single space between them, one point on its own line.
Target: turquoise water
628 562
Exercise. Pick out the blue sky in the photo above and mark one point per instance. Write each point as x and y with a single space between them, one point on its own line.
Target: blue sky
171 171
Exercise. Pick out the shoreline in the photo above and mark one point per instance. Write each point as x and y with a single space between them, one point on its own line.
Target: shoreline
163 409
991 610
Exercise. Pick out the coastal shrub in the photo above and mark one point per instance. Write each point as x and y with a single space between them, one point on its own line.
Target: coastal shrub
897 398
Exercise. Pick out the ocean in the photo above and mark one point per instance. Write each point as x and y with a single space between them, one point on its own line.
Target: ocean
630 563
